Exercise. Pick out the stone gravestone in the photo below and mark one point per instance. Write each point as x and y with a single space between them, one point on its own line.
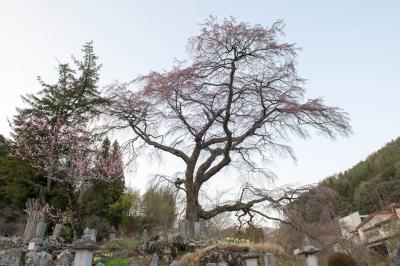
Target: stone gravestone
145 236
199 229
112 233
89 234
40 230
269 259
84 248
184 227
251 259
155 261
36 214
57 231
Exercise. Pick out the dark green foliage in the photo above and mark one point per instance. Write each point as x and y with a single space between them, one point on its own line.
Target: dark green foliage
101 225
67 233
370 185
100 198
74 96
18 180
127 209
341 259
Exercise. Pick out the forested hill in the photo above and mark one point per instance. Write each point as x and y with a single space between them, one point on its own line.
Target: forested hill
371 184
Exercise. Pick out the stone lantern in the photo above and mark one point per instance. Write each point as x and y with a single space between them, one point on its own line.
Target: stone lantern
309 251
84 248
112 233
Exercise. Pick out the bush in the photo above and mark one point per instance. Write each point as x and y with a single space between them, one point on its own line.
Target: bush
100 224
341 259
67 233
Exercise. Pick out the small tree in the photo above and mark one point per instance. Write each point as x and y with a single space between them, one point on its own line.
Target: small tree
159 207
69 157
53 132
236 100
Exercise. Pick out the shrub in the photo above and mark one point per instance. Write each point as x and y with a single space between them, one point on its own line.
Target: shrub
341 259
67 233
100 224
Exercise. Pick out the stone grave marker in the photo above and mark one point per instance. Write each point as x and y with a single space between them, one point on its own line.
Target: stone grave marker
269 259
184 227
36 214
251 259
57 231
112 233
40 230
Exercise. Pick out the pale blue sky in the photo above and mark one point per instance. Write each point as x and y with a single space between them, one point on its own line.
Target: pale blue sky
351 58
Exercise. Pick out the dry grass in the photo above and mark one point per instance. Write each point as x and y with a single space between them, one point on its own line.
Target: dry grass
193 258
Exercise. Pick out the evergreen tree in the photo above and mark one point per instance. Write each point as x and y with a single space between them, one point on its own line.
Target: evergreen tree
100 198
52 131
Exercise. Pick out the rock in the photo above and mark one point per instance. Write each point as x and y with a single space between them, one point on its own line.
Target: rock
167 258
175 263
135 262
219 258
65 258
177 241
150 246
191 247
11 257
8 242
166 251
155 261
174 251
41 258
121 254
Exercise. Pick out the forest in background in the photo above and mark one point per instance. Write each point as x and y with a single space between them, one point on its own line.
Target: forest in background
371 185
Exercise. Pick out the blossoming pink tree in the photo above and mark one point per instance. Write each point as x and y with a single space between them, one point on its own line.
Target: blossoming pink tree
237 99
68 155
52 131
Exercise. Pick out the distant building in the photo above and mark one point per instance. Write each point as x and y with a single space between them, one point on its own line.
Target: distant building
372 230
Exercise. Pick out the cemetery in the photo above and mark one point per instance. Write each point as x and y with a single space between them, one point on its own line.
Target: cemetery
199 133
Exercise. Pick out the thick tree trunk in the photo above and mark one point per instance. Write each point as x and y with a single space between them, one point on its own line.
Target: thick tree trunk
193 208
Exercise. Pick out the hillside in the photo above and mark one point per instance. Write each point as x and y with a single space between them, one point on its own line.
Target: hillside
371 184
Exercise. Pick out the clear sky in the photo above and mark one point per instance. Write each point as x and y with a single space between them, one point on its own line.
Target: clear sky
351 58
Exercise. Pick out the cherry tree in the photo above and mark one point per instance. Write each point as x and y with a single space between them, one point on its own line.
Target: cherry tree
68 155
54 132
236 100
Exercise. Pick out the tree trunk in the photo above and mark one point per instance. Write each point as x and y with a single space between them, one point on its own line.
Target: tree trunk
76 221
192 207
